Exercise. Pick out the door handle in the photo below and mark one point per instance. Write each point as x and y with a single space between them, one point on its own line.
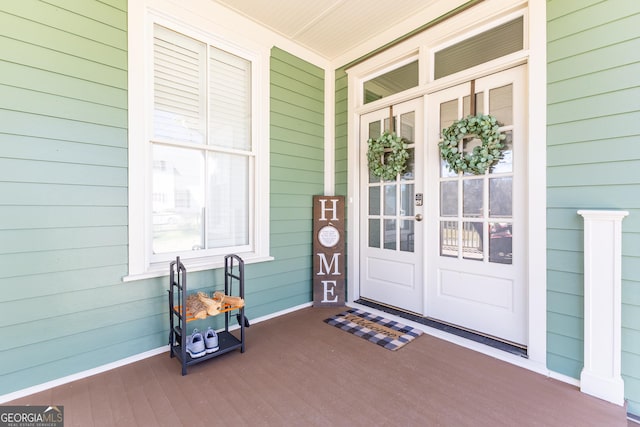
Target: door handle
418 217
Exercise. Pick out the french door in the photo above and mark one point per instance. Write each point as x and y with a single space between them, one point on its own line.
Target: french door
477 223
391 244
444 245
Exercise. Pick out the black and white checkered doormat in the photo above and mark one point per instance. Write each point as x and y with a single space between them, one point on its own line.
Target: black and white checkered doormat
376 329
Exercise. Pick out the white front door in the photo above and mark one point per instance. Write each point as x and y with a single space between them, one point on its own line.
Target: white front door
391 246
477 223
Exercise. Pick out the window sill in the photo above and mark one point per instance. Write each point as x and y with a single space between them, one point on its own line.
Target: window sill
162 269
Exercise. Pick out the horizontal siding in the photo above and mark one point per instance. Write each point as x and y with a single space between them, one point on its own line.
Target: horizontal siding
609 80
297 173
619 149
63 177
593 118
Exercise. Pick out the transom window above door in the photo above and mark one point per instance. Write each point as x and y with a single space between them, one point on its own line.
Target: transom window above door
491 44
392 82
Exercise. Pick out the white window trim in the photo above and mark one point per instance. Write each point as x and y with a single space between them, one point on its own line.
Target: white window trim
141 19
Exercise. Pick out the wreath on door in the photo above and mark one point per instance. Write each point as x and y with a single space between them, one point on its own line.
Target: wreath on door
387 155
484 156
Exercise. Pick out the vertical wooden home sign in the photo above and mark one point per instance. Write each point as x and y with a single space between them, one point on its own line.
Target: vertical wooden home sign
328 251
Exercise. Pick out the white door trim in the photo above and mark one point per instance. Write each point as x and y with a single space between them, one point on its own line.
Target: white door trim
536 172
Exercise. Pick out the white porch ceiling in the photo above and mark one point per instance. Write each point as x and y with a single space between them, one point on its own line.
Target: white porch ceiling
331 28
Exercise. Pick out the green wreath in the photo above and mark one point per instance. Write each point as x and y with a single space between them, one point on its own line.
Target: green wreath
484 156
387 155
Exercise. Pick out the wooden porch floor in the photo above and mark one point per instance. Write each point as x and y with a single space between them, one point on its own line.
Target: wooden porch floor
299 371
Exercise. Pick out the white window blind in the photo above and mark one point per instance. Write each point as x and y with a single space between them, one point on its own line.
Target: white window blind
202 194
179 85
230 100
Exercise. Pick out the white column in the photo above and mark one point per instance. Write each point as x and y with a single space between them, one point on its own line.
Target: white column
600 376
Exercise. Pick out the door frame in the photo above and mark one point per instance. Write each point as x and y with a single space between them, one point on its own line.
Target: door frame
534 55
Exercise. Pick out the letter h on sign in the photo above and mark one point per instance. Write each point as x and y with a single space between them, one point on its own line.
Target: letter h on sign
328 251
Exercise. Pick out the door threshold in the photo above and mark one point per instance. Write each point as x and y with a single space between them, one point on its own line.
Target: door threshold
490 341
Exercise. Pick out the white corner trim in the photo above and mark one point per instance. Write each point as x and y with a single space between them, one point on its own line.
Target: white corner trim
537 184
601 376
329 132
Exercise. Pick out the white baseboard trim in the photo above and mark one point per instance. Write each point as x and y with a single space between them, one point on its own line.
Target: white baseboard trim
281 313
80 375
122 362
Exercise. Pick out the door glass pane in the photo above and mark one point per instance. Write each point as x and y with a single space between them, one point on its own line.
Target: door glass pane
466 108
449 198
390 199
374 129
500 197
374 132
500 246
387 126
407 235
505 164
449 238
448 114
468 144
373 178
177 199
407 126
472 240
406 199
407 131
501 104
374 200
374 233
390 234
409 172
472 195
445 172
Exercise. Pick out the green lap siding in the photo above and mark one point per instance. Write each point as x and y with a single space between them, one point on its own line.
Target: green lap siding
64 178
297 173
593 152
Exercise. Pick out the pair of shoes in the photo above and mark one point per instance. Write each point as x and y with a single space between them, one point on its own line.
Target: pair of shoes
196 344
211 340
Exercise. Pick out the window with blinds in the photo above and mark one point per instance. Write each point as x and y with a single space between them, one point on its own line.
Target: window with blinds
494 43
201 148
